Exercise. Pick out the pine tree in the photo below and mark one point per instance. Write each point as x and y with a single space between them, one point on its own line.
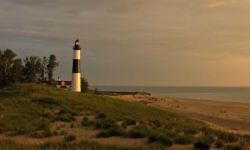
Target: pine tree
84 85
32 68
43 70
17 71
6 61
52 64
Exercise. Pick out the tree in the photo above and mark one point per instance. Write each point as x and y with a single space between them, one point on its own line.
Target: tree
43 70
6 61
17 71
84 85
52 64
32 68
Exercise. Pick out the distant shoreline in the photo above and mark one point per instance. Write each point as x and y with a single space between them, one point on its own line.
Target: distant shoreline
233 94
117 93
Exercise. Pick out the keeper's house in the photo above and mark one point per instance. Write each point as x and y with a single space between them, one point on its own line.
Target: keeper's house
64 84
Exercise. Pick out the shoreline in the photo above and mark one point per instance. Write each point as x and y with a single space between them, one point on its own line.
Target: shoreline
226 115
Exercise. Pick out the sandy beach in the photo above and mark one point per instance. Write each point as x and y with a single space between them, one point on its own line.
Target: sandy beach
233 116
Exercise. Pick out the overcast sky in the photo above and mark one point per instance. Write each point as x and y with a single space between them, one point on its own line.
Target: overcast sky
136 42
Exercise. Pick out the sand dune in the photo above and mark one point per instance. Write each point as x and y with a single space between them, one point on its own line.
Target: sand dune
234 116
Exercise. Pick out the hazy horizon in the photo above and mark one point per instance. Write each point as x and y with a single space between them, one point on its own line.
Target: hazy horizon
170 86
136 42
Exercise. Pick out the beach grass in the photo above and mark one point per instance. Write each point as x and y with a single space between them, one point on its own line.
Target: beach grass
83 145
31 109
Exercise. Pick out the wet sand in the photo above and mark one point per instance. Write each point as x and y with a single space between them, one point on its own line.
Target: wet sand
233 116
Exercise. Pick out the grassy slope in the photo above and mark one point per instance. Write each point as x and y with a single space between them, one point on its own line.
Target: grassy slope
30 109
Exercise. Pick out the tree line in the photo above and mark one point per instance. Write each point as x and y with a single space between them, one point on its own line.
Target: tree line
31 69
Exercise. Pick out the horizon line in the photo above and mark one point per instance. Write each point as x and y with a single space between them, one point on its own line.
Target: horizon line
197 86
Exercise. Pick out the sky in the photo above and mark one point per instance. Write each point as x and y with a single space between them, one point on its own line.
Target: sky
136 42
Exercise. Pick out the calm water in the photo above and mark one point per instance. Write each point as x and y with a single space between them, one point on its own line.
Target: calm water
208 93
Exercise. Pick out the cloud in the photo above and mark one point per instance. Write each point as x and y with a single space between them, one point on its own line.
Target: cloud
221 3
131 41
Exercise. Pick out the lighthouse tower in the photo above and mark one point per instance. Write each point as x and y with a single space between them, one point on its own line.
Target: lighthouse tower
76 69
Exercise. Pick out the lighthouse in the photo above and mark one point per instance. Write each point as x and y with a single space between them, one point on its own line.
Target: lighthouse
76 68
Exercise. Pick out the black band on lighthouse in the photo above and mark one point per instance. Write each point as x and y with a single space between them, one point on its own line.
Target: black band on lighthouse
77 47
76 66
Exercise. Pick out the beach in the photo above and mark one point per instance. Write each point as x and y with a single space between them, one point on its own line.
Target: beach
231 116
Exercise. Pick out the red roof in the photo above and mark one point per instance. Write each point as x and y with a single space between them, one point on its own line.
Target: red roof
64 83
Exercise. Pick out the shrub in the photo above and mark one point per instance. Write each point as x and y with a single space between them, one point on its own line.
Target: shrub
185 139
46 101
234 147
20 131
69 138
155 123
219 144
128 122
101 116
203 143
191 130
104 124
64 117
138 132
160 138
169 133
165 140
227 137
49 133
85 122
65 114
67 110
43 133
246 138
110 133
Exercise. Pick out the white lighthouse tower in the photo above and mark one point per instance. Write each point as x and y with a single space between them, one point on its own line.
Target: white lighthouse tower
76 68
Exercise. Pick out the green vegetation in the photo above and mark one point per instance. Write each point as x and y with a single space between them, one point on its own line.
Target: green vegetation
84 145
184 139
139 132
85 122
234 147
69 137
105 124
32 69
12 69
84 85
39 111
51 66
161 138
219 144
110 133
227 137
204 142
129 122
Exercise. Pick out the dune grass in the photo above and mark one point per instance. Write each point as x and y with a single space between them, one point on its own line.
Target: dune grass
30 110
26 108
83 145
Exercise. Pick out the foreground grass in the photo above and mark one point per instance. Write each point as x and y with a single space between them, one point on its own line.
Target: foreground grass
84 145
31 109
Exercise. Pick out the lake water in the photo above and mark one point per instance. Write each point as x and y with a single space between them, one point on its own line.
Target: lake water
208 93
